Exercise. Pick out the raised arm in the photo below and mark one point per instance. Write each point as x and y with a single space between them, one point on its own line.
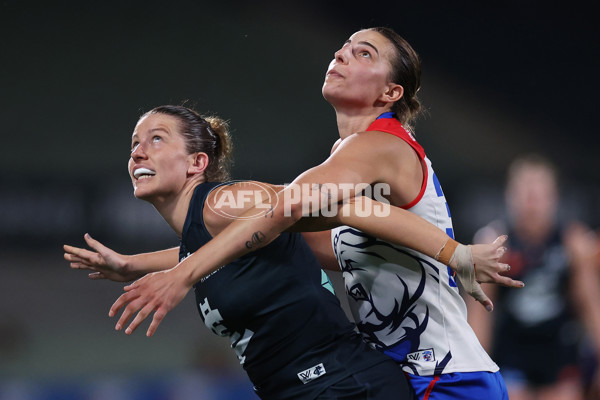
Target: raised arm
396 225
349 165
106 263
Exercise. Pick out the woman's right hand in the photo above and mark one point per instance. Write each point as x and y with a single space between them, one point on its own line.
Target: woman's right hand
104 262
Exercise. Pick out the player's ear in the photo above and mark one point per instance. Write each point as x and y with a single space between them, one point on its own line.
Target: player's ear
198 163
393 93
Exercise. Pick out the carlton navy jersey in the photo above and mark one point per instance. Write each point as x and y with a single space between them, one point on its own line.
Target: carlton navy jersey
274 304
405 303
537 322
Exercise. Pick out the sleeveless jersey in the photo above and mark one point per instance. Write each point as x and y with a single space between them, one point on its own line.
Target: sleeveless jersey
405 303
278 308
539 322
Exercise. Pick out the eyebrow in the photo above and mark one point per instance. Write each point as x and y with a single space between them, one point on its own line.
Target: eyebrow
159 129
152 131
366 44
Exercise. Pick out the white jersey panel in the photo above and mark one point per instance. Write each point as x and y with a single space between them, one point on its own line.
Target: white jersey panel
406 303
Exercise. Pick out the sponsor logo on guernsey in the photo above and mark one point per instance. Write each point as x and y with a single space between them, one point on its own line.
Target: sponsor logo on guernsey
312 373
426 355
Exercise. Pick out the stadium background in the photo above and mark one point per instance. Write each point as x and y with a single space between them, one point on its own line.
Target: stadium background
497 81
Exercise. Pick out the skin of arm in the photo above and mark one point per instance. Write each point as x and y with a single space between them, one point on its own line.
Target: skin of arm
108 264
247 235
584 251
320 244
160 292
354 162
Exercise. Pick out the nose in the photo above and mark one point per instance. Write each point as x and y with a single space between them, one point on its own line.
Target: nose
341 56
138 152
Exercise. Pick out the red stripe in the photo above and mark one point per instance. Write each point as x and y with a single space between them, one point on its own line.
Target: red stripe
423 187
393 127
430 387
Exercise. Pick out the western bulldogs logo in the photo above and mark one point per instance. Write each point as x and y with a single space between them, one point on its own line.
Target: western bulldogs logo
426 355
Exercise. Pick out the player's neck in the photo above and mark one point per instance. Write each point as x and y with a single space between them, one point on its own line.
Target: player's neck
350 121
174 210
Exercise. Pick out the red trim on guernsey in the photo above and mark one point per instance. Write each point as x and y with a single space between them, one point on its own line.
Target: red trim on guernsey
430 388
394 127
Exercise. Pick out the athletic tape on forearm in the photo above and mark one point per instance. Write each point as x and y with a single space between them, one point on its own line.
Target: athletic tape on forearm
446 252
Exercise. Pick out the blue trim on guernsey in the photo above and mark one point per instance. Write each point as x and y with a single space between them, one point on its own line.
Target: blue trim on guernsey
387 115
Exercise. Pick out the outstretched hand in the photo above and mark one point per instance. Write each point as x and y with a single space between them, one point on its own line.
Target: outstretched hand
104 262
487 265
480 263
158 292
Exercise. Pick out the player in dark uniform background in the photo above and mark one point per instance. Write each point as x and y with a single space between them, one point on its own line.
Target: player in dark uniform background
536 334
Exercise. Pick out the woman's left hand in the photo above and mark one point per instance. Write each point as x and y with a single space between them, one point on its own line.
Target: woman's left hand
487 265
475 264
158 292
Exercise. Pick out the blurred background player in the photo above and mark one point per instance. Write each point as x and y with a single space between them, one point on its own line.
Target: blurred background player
536 334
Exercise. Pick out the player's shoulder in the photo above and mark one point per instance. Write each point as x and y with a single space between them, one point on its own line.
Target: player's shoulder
373 145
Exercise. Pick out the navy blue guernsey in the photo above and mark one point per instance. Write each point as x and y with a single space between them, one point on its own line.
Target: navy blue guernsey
286 327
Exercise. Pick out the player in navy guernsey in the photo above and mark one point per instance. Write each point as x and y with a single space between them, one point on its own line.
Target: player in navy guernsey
276 305
285 324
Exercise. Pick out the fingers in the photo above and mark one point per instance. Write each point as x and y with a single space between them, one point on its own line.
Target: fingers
509 282
139 318
500 251
479 295
77 254
96 275
126 316
133 302
143 313
121 301
82 265
134 284
500 240
159 315
487 303
93 243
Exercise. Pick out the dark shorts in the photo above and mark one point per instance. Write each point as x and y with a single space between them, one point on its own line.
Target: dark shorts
384 381
344 369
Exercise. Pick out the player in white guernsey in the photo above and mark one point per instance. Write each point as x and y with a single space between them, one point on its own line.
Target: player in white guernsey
406 303
375 72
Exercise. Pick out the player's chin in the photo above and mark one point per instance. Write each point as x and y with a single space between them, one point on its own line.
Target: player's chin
142 193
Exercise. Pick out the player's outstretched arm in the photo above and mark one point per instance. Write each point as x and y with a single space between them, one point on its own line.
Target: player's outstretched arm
159 292
474 264
106 263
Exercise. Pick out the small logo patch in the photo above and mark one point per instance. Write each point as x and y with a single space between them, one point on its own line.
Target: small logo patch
426 355
312 373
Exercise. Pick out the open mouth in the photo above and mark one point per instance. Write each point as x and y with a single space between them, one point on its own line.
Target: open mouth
143 173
